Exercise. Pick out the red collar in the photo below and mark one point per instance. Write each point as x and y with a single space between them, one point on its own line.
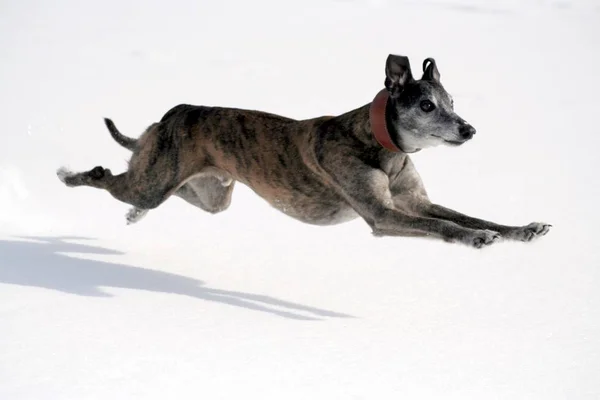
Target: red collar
377 120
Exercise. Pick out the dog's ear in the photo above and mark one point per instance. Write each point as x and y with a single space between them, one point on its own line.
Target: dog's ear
397 74
430 71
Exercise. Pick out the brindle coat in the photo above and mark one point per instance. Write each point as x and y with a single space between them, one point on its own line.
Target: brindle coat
322 171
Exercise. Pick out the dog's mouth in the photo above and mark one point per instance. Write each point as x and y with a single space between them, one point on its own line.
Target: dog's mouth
452 142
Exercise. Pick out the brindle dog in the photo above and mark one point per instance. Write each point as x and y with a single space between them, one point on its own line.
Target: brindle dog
322 171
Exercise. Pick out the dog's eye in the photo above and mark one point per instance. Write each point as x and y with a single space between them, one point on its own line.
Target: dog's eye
427 106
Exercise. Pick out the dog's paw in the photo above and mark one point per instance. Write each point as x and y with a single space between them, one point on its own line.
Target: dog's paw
530 232
64 174
134 215
482 238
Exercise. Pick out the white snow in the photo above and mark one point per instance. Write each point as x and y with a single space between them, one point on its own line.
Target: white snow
250 303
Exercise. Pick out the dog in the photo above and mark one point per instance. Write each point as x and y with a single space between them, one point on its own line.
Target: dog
322 171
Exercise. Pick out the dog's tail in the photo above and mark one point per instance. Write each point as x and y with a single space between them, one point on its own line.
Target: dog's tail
127 142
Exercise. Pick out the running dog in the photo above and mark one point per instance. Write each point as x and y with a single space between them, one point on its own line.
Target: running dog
323 171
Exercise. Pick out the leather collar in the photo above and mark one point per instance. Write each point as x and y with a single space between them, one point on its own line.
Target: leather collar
378 121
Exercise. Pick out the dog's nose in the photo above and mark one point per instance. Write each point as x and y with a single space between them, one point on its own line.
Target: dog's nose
466 131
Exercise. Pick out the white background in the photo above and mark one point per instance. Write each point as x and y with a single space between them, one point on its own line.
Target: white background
250 303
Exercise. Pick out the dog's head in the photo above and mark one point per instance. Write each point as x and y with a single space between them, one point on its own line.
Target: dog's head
422 112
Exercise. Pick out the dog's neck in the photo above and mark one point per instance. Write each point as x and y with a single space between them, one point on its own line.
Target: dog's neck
373 124
381 123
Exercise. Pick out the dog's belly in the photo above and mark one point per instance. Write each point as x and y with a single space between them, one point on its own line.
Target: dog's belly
316 213
320 207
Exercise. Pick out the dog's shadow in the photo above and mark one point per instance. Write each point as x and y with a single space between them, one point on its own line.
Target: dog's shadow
42 263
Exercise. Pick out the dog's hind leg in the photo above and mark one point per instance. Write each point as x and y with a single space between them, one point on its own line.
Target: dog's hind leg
209 193
135 215
135 189
209 190
155 171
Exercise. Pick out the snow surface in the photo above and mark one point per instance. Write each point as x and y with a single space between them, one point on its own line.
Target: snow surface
250 303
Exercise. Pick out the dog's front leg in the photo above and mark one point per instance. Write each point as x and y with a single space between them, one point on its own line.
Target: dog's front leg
523 233
367 190
409 194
